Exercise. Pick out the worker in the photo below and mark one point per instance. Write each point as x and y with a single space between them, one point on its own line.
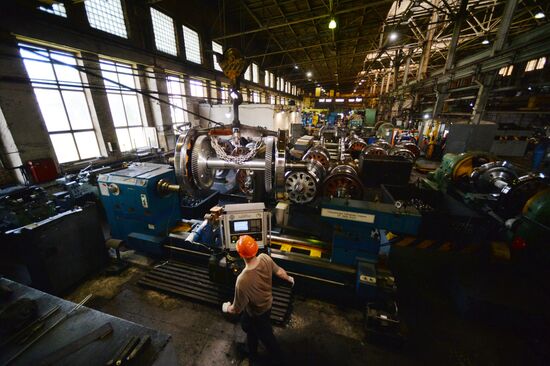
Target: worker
253 295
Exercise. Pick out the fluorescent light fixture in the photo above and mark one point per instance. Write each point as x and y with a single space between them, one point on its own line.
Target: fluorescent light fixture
332 24
485 41
540 15
358 99
322 100
339 100
393 36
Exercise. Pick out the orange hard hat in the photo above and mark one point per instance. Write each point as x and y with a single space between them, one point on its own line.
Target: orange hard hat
247 246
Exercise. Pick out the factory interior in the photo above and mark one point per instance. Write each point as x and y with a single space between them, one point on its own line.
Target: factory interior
387 161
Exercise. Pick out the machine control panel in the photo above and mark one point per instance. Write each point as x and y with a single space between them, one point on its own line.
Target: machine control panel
245 219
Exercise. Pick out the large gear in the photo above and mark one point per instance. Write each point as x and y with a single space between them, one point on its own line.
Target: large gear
182 161
280 165
202 175
269 152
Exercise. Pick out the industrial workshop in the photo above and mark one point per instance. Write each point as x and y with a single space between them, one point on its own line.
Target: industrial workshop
274 182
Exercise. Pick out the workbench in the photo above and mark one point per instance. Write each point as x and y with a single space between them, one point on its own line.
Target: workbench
160 350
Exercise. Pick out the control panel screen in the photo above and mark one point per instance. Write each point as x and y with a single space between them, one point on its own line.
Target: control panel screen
239 226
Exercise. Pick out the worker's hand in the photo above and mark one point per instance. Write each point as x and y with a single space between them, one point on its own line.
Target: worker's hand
291 280
225 306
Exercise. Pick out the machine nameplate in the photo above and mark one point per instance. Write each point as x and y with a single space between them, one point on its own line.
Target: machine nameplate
348 215
123 180
104 189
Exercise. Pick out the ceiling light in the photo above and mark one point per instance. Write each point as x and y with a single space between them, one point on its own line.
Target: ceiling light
540 15
309 74
332 24
426 116
296 67
393 36
355 90
485 41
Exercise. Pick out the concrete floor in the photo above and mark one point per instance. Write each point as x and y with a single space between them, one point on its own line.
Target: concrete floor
441 327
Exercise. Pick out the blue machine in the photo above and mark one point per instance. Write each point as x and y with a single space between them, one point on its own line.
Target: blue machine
137 213
358 231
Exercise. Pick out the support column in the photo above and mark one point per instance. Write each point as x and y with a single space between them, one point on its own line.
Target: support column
29 138
99 108
459 18
427 48
160 112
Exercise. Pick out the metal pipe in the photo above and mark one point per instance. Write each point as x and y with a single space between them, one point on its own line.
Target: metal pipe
295 240
216 163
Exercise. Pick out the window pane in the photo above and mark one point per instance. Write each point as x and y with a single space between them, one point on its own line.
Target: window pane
123 138
39 70
216 47
52 109
151 136
192 45
196 88
77 108
108 70
117 110
55 9
106 15
87 144
66 73
163 29
137 136
126 75
132 110
64 147
177 113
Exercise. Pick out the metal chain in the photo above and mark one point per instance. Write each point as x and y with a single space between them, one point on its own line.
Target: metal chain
239 159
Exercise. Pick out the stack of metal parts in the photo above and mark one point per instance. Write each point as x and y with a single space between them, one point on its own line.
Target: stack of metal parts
183 279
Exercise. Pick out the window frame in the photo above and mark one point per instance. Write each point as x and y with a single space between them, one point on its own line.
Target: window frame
124 90
183 28
217 66
47 84
124 19
174 33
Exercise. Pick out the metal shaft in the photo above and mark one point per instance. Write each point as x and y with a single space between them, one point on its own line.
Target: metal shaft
216 163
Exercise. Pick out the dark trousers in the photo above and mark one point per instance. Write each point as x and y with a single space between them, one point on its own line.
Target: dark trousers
259 328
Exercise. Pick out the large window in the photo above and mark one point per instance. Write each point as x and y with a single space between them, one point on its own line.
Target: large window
255 97
255 73
535 64
107 16
60 94
198 88
192 45
124 105
266 78
216 47
248 73
163 29
55 9
176 96
271 80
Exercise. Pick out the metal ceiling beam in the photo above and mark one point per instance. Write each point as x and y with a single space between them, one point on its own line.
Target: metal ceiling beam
303 20
261 25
